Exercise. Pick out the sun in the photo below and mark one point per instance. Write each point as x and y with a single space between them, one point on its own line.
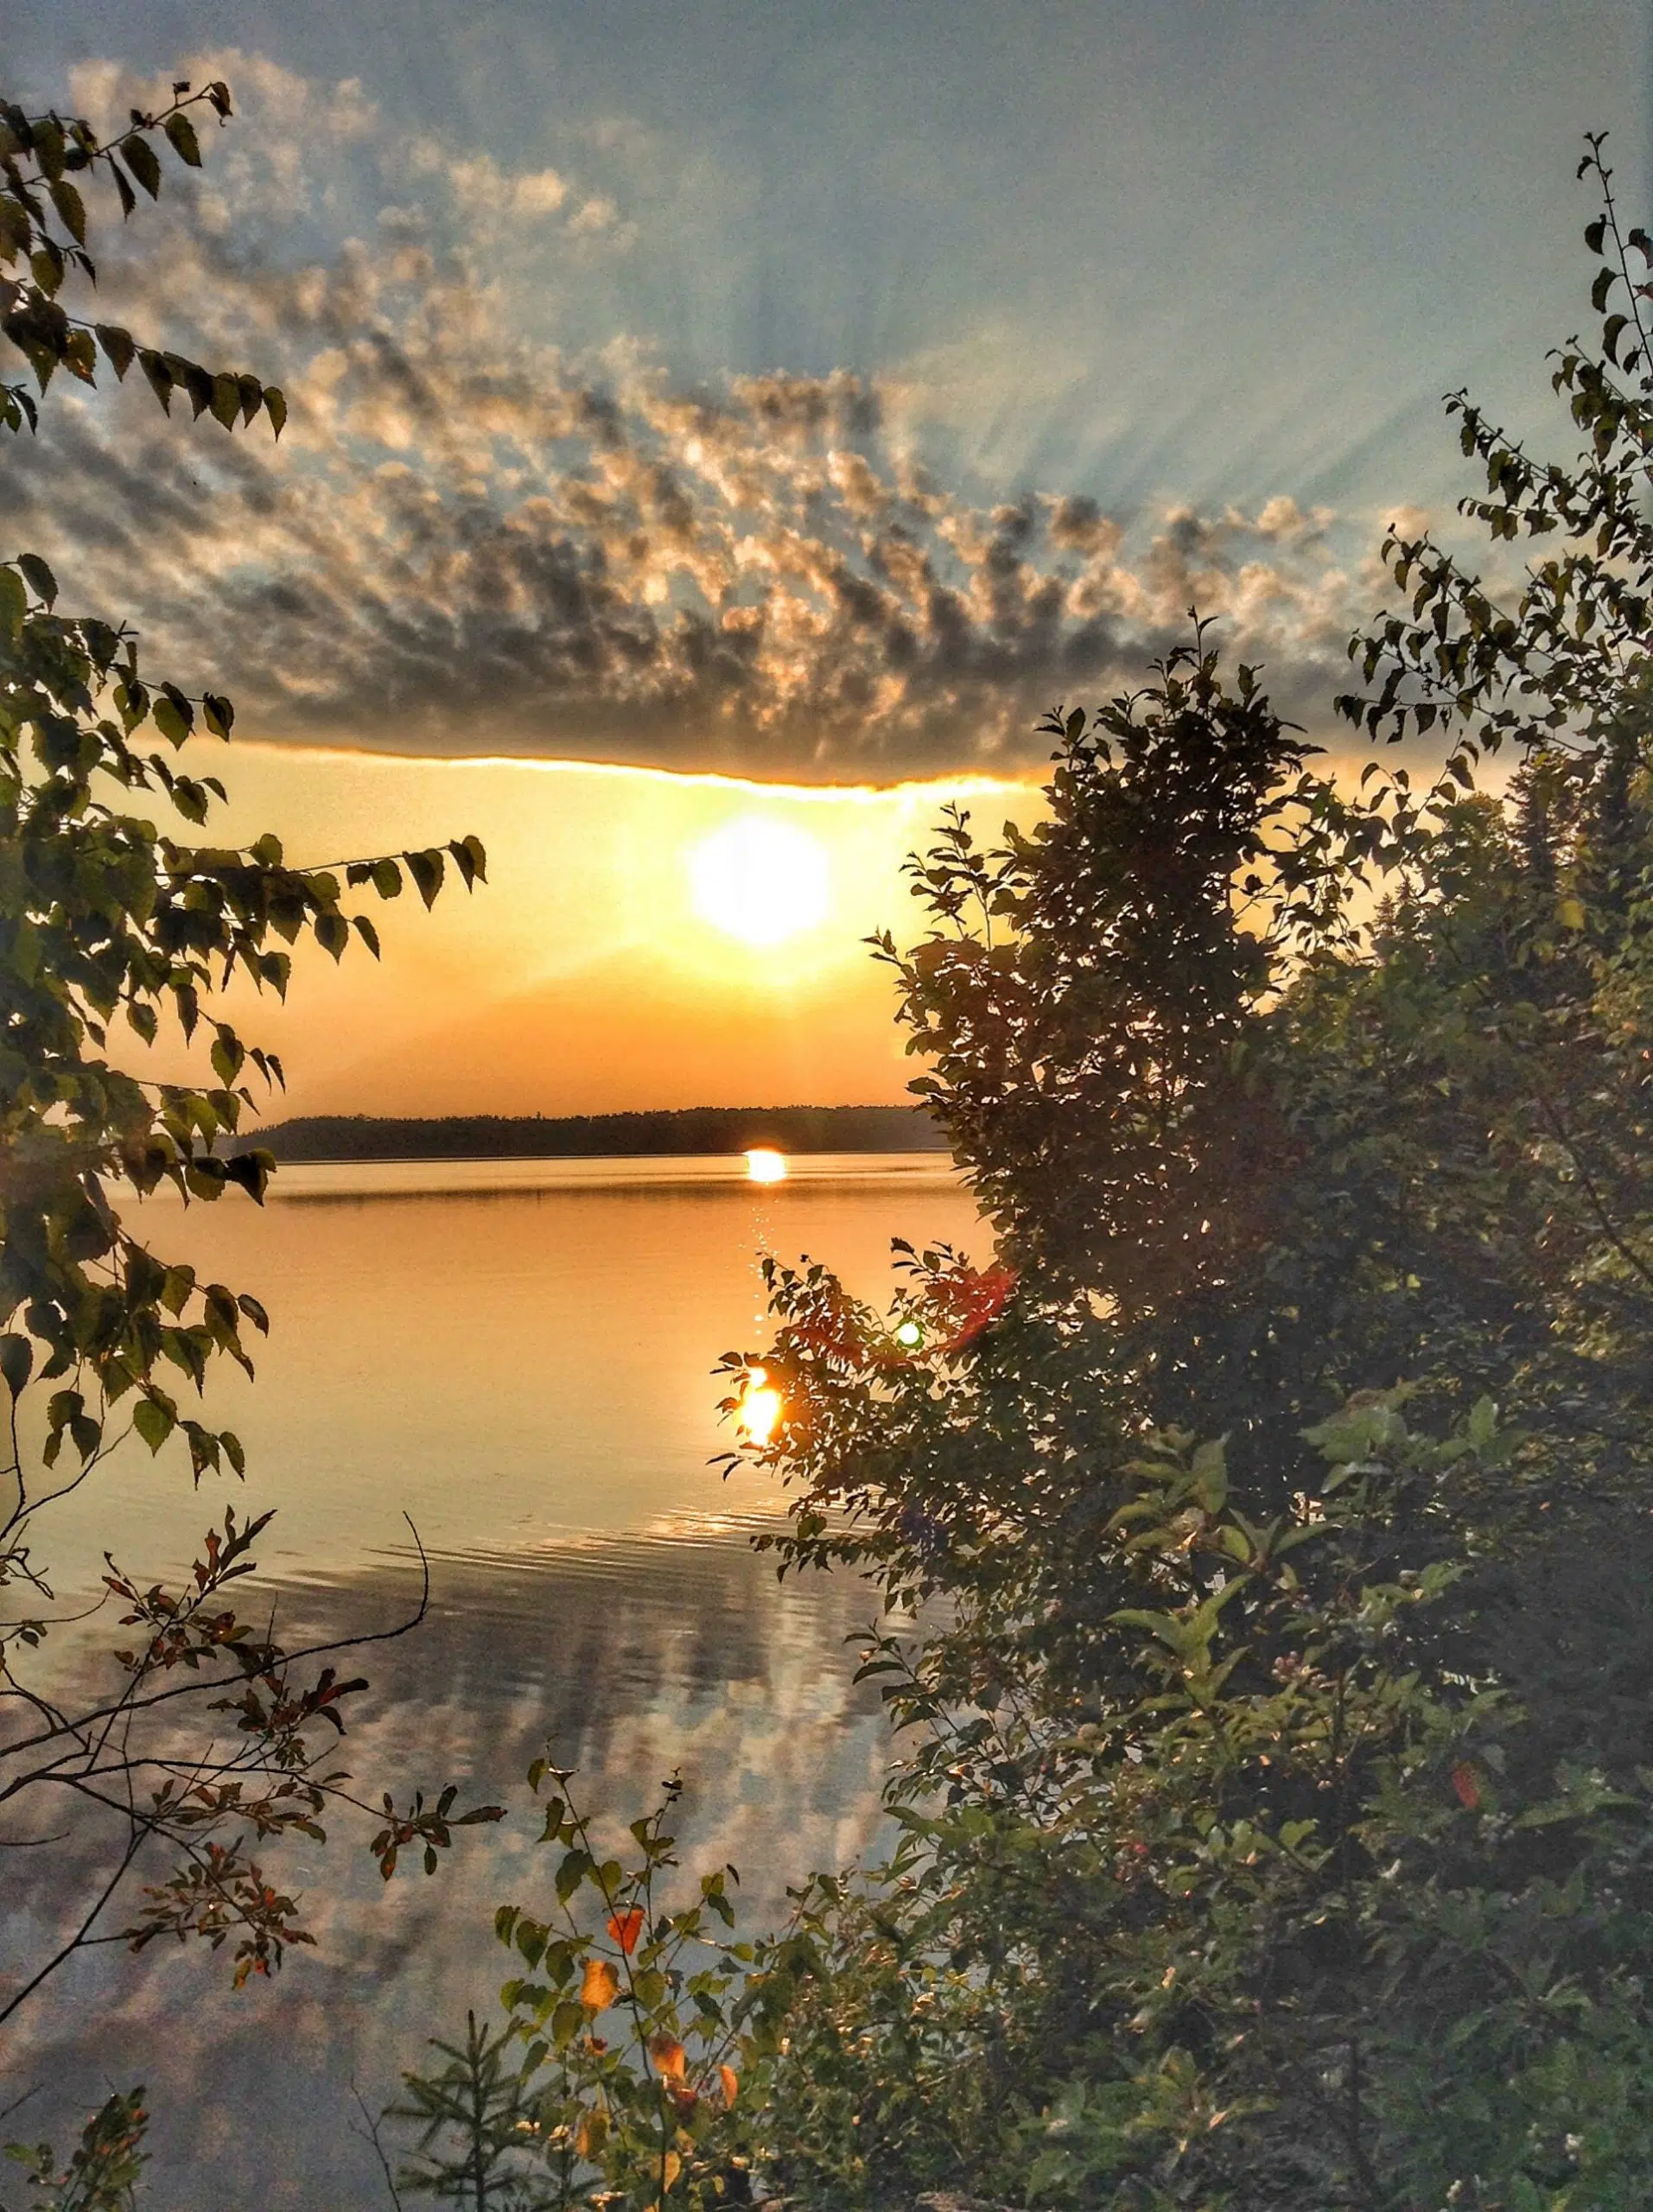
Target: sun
760 880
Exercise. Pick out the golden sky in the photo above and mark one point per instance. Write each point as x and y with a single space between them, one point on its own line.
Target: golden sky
644 940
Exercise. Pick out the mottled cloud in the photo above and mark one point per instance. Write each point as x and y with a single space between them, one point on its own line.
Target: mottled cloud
474 539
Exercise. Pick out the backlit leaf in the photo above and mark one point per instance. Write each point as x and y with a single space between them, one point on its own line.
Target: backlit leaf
625 1927
669 2057
599 1985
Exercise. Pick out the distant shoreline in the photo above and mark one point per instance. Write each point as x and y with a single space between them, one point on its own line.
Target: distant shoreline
678 1131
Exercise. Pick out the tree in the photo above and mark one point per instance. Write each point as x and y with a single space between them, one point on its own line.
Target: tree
1275 1833
115 927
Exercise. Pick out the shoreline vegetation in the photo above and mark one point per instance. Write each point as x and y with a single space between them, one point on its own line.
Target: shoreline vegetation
669 1132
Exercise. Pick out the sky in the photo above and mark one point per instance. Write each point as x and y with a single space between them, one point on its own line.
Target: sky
768 394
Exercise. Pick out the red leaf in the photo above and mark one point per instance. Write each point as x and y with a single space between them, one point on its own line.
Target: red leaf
626 1927
1467 1783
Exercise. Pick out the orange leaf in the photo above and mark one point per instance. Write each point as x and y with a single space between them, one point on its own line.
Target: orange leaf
599 1985
731 2081
626 1927
1467 1783
668 2055
673 2166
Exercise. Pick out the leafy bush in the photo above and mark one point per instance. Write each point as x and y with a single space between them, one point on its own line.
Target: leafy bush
1276 1829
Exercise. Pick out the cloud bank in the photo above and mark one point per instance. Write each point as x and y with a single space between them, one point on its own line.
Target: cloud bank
474 539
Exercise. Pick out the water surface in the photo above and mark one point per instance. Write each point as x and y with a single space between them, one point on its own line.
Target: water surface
515 1355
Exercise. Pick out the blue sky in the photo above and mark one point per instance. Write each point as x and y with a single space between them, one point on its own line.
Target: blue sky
1080 309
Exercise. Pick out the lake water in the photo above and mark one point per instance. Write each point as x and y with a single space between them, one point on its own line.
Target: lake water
515 1355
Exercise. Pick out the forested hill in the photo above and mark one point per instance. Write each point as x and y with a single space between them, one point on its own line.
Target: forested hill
687 1129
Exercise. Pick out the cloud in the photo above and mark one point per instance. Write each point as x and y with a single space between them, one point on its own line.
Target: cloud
474 540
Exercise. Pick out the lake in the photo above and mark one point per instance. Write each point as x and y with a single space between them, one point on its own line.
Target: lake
515 1355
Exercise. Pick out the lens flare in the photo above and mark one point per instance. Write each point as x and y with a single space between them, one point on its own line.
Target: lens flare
764 1166
761 1407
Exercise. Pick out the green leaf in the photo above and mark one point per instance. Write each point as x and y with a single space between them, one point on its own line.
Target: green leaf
426 869
155 1419
180 135
331 932
226 399
276 408
71 209
157 373
168 719
120 348
140 158
39 578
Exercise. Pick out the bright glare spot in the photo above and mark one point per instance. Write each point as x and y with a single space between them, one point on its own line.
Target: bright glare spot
761 1407
760 880
910 1334
764 1165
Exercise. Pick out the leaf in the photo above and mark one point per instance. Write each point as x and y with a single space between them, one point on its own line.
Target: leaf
155 1420
426 869
40 579
1466 1783
331 932
158 374
120 349
576 1865
169 721
227 398
141 159
599 1985
625 1927
196 380
180 135
730 2082
16 1359
71 209
276 408
668 2055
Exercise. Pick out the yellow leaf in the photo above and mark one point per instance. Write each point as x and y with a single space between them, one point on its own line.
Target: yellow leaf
1569 914
599 1985
673 2167
591 2134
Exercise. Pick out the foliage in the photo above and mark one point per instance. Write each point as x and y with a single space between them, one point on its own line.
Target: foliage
1275 1830
652 2106
116 928
104 2169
